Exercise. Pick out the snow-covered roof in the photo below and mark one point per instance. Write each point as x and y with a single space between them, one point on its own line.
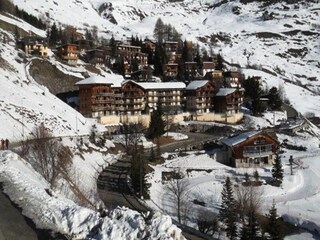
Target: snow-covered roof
235 140
225 91
109 79
161 85
196 84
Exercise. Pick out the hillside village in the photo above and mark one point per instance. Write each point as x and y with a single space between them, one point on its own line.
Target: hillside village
162 111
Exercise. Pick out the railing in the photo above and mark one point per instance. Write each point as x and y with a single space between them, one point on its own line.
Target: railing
259 150
104 101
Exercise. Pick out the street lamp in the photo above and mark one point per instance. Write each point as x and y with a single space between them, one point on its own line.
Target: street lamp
291 162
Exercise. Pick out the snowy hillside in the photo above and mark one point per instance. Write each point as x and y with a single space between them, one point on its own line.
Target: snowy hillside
25 104
285 49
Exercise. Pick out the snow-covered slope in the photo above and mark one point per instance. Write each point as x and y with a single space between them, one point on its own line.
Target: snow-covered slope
284 49
50 210
25 104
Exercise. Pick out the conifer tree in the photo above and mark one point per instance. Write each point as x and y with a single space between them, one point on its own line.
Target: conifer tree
274 227
274 97
220 65
244 233
158 31
253 226
256 175
227 210
277 171
157 123
54 35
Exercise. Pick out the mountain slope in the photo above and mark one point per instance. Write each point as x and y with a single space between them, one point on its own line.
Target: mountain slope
284 44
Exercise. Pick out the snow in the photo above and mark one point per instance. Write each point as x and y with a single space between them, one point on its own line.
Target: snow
235 140
196 84
107 79
21 24
25 104
50 210
161 85
176 136
297 200
225 91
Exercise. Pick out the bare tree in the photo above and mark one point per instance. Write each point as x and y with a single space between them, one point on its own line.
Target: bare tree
207 222
248 199
51 157
177 189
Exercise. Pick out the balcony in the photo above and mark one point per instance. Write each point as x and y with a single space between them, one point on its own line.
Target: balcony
257 151
102 101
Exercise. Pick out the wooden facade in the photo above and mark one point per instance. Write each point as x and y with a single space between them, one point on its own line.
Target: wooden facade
69 53
133 98
228 100
250 149
95 57
199 96
170 69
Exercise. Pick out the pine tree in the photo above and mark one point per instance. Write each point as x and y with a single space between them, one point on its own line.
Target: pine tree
54 35
244 233
227 210
256 175
253 226
253 92
220 65
157 123
277 171
274 97
246 178
158 31
274 227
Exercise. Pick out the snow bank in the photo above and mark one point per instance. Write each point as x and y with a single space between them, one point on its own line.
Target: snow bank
50 210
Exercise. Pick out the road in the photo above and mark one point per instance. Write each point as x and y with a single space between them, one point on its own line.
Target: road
113 185
14 226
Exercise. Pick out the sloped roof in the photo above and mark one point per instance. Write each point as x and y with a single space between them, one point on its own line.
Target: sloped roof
225 91
109 79
235 140
196 84
161 85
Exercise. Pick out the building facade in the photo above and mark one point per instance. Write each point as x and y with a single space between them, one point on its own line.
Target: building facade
228 100
69 53
199 96
250 149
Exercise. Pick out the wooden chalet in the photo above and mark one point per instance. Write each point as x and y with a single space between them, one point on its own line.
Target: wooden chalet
95 57
191 69
131 58
249 149
84 45
232 79
69 53
150 44
228 100
207 67
171 69
36 46
171 46
199 96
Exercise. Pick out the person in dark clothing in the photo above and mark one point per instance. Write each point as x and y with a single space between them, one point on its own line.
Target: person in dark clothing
2 144
7 143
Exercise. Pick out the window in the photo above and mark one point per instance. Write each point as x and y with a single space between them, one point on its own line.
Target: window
260 140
